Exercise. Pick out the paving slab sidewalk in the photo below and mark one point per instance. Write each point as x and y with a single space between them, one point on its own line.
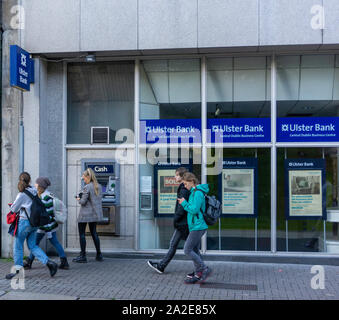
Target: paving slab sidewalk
132 279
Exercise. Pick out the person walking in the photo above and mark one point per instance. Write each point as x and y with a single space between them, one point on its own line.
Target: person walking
22 204
90 200
197 226
180 224
41 184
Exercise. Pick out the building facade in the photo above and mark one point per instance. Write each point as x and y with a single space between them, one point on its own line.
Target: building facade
245 94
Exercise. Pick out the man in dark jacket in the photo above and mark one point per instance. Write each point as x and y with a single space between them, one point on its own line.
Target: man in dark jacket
180 224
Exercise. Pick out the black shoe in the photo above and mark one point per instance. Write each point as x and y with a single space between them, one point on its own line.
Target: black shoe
28 263
53 267
155 266
80 259
64 264
99 257
190 275
11 275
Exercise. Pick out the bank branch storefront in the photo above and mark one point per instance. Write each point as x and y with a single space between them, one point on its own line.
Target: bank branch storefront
262 131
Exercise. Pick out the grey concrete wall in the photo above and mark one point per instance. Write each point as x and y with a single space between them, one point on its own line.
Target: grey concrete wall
198 25
11 104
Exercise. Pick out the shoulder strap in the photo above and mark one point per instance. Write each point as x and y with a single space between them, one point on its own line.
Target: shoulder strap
29 220
28 194
204 193
31 196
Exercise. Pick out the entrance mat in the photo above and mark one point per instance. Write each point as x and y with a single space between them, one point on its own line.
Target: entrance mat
228 286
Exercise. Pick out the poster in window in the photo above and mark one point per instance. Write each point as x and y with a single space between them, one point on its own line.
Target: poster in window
238 187
305 189
167 191
238 191
166 188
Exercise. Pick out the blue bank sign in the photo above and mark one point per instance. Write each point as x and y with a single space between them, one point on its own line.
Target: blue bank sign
220 130
21 68
170 131
240 130
311 129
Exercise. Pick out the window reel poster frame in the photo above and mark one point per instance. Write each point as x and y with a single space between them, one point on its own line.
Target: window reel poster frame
293 166
236 165
166 169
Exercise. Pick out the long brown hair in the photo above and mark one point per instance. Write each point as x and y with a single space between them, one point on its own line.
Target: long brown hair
24 181
90 173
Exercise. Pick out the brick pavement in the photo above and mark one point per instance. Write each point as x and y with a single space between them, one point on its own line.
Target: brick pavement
131 279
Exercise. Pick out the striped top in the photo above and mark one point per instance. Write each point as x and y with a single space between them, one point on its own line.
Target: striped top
47 200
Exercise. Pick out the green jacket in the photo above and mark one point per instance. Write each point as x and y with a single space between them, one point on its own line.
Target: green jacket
194 207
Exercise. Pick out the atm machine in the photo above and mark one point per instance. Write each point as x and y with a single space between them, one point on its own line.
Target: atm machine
107 173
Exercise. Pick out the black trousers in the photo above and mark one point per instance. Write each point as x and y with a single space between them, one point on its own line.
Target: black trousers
95 237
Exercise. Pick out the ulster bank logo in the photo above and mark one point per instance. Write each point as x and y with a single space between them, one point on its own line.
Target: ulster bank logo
23 60
285 128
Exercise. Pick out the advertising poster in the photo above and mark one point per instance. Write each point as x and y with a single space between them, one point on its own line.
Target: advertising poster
239 187
167 191
166 188
306 189
238 191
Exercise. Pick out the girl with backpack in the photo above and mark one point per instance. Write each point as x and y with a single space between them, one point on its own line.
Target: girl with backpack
41 184
90 212
197 226
22 204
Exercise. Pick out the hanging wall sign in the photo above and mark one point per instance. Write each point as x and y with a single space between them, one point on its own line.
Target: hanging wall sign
166 188
170 131
239 130
308 129
21 68
305 189
238 187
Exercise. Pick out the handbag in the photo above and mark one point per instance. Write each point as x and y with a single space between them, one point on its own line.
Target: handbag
12 220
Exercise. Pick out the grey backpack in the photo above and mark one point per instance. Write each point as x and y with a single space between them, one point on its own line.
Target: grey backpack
212 209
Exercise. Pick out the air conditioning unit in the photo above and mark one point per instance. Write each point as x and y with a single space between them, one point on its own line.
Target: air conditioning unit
101 135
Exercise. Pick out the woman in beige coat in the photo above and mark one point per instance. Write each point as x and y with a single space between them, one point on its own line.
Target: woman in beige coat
90 212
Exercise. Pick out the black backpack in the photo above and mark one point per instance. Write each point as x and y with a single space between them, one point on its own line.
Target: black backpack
39 216
212 209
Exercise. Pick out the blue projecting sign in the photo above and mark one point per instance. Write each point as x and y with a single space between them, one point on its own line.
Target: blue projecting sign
21 68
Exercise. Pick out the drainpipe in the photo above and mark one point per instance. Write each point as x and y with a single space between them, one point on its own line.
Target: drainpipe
21 135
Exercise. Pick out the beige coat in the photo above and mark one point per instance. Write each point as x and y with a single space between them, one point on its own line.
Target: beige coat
91 205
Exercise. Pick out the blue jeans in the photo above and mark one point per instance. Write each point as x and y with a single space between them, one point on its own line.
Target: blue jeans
54 241
191 249
26 231
176 237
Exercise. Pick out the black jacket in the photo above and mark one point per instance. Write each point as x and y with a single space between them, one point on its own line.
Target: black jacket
180 215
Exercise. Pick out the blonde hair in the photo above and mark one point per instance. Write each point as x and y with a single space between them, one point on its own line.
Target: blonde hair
90 173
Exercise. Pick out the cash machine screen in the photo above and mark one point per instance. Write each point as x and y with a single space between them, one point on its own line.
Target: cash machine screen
107 175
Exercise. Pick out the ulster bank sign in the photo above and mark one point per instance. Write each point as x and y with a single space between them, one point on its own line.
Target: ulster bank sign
22 68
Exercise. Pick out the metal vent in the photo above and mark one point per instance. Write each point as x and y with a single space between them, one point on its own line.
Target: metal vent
100 135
